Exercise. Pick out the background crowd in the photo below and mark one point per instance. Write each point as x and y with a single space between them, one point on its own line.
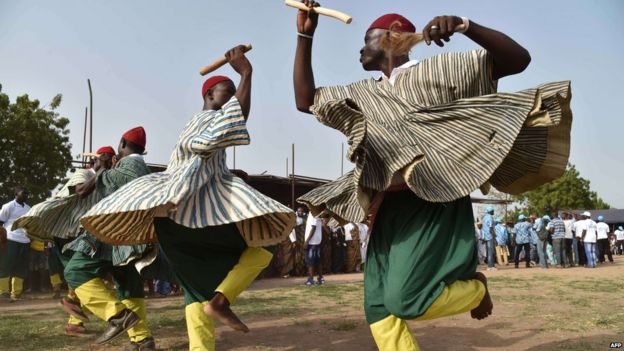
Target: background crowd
318 246
559 240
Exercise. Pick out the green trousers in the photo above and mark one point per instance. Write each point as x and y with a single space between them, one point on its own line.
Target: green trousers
57 260
14 260
201 258
81 269
416 248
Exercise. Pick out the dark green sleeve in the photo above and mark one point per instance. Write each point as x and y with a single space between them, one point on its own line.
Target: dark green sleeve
126 170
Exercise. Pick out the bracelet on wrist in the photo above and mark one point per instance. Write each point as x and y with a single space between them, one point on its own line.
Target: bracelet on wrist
466 24
305 35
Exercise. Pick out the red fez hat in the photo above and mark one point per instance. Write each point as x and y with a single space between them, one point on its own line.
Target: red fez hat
101 151
393 21
211 82
135 135
105 150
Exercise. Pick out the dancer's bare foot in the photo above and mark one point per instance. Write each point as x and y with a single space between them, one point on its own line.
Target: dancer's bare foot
485 307
219 308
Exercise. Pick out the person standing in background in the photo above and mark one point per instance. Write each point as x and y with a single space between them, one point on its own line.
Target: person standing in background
589 237
568 241
581 258
312 248
602 242
489 236
619 237
523 239
557 228
502 252
14 246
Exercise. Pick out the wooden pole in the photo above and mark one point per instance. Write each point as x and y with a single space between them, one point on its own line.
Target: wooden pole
292 192
84 135
90 116
234 152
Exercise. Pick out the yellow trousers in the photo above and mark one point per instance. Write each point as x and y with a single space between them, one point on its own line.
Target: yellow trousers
200 326
56 282
73 320
101 302
13 286
393 334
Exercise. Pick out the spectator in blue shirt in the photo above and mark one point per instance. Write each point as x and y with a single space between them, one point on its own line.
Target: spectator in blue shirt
522 239
502 252
489 236
481 251
534 257
542 241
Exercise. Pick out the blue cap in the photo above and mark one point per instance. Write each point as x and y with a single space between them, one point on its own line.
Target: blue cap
521 217
546 217
489 209
499 220
601 218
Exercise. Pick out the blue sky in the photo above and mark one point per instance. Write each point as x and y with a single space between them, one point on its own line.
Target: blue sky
143 56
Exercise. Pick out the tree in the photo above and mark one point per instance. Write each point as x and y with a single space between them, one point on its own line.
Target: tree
34 147
570 192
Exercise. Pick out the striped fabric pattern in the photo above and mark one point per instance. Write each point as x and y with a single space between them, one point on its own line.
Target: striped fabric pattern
128 168
197 186
119 255
59 215
442 130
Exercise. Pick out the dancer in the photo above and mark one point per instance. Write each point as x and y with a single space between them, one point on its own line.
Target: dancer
93 260
57 220
208 222
423 137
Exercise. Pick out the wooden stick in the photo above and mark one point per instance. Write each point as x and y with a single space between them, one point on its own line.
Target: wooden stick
218 63
320 10
458 28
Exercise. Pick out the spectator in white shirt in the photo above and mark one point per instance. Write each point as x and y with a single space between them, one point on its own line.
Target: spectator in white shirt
312 247
568 241
353 251
613 242
363 239
619 237
581 258
589 238
14 247
602 243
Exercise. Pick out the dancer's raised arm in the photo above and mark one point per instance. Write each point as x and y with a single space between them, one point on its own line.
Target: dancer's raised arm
509 57
303 76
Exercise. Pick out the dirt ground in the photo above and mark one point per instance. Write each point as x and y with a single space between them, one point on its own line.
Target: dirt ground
534 309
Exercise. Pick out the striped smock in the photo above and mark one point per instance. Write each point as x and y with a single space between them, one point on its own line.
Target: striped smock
197 189
109 182
59 216
442 130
